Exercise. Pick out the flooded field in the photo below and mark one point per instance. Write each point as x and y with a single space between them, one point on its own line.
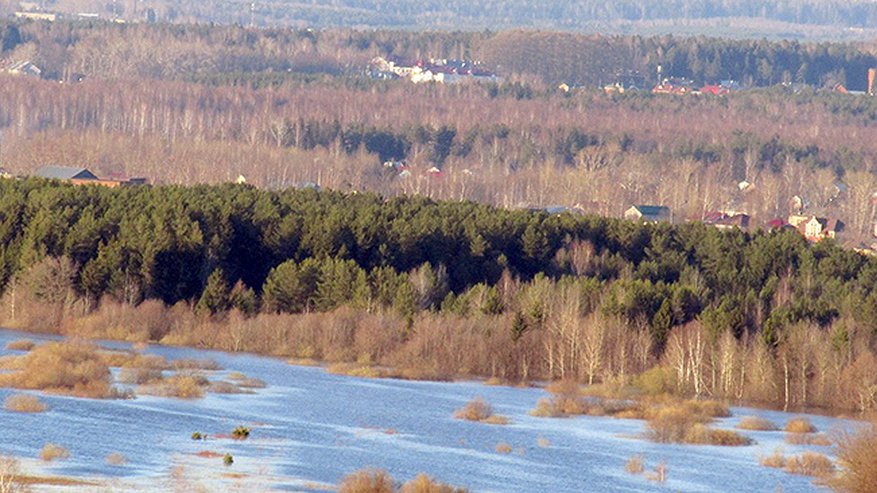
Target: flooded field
310 428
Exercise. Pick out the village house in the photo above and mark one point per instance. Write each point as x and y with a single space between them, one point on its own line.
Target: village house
82 176
648 213
21 68
727 219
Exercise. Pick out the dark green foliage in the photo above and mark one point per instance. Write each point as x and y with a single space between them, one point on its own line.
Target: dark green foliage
318 251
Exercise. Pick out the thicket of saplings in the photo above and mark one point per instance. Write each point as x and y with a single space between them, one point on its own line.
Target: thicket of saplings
440 289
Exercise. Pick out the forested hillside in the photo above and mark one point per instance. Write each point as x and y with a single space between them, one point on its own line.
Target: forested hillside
516 295
480 14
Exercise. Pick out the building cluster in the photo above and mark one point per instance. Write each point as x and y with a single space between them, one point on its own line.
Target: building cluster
82 176
441 71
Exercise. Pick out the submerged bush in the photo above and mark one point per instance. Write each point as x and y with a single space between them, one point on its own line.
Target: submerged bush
635 465
810 464
51 452
367 481
20 345
481 411
72 368
800 425
425 484
116 459
228 459
24 403
756 423
240 433
776 460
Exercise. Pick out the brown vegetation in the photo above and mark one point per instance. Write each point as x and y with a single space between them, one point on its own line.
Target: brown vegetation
425 484
856 455
20 345
635 465
24 403
367 481
181 386
685 422
51 452
810 464
800 425
73 368
775 460
116 459
756 423
820 439
481 411
504 448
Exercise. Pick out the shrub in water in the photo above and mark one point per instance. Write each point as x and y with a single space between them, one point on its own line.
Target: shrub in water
424 484
51 452
228 459
475 410
367 481
116 459
240 433
755 423
23 403
810 464
800 425
635 465
197 436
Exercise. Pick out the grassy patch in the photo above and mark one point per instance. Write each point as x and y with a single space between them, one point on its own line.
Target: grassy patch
223 387
635 465
756 423
24 403
71 368
140 376
810 464
480 411
503 448
20 345
425 484
820 439
367 481
52 452
116 459
685 422
800 425
700 434
181 386
775 460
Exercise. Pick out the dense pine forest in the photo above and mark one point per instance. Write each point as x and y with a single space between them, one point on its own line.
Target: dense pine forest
440 289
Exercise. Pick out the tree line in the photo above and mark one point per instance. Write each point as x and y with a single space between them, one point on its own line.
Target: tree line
548 291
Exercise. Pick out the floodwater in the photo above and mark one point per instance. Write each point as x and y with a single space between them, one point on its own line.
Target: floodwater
310 428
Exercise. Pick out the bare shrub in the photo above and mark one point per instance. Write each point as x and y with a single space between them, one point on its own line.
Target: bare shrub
116 459
246 382
503 448
195 364
475 410
545 408
10 473
670 424
367 481
139 376
800 425
776 460
635 465
51 452
20 345
73 368
700 434
223 387
182 386
810 464
24 403
424 484
820 439
756 423
856 454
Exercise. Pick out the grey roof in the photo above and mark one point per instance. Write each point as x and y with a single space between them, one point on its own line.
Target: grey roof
652 210
65 173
